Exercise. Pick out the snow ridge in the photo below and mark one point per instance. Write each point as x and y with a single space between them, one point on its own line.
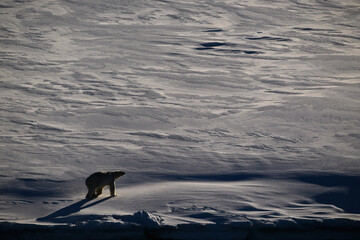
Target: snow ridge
143 225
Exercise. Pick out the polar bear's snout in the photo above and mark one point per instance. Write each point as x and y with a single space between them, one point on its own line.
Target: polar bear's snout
118 174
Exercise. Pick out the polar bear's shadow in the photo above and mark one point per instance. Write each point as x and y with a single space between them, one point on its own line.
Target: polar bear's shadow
63 215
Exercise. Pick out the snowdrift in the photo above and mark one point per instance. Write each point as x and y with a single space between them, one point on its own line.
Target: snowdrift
143 225
252 206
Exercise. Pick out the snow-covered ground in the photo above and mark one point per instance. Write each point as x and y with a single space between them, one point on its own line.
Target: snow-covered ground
232 119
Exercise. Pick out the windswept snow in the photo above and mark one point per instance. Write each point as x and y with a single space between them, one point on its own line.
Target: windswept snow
237 119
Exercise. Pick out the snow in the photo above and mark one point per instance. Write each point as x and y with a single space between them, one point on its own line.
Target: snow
231 119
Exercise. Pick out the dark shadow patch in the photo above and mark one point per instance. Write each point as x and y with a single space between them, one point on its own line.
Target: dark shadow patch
249 209
210 217
32 187
203 48
338 44
314 29
251 52
213 44
61 215
213 30
275 82
270 39
5 6
241 176
239 51
304 29
347 199
25 192
283 92
226 177
40 180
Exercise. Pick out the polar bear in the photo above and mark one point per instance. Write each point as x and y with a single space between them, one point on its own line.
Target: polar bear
96 182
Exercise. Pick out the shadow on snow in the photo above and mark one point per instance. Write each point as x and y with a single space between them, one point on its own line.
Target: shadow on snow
63 215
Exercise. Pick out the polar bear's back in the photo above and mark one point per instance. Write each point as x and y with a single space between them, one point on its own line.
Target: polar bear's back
99 179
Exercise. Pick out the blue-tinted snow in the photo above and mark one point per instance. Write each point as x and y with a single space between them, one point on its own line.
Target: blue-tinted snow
219 112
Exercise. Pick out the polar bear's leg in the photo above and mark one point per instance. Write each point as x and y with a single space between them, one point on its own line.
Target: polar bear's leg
88 196
90 186
112 189
98 191
91 193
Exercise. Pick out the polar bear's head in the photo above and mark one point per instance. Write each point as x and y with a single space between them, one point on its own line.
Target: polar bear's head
118 174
